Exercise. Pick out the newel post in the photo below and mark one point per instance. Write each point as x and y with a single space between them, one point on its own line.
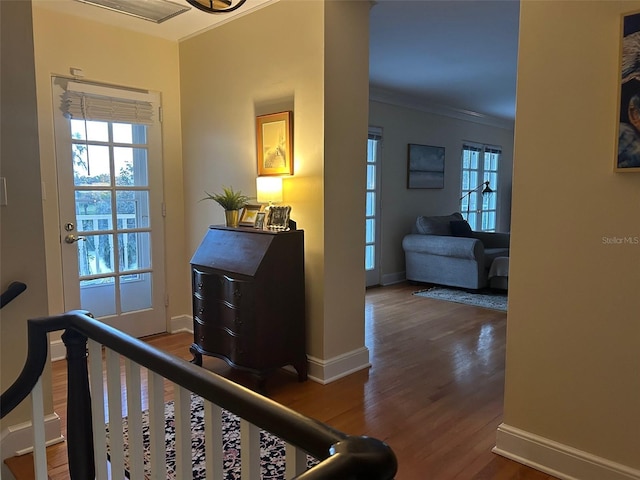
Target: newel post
79 430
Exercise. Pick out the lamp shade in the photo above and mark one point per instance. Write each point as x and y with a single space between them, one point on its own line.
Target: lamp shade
269 189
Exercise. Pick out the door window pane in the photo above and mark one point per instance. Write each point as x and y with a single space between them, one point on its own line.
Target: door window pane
133 251
135 294
90 130
96 203
369 256
371 177
370 230
130 166
122 133
95 255
91 164
371 204
132 208
98 297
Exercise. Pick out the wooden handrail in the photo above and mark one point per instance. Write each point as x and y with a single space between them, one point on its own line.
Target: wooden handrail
342 456
13 290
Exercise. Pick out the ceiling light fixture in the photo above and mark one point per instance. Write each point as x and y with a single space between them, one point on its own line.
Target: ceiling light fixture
156 11
217 6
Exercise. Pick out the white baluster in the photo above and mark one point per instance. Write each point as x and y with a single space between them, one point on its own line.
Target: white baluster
182 410
157 427
134 413
96 385
214 454
249 451
296 461
37 419
114 396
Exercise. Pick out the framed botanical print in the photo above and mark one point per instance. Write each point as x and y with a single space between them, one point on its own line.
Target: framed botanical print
274 139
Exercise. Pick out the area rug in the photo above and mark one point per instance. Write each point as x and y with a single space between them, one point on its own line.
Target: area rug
485 299
272 448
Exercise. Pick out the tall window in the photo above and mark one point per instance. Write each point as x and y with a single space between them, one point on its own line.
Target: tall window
480 165
372 212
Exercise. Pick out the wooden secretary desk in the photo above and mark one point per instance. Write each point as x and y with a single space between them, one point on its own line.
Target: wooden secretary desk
249 299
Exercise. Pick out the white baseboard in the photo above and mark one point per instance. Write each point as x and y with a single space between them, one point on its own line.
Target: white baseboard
391 278
181 323
557 459
58 350
330 370
18 439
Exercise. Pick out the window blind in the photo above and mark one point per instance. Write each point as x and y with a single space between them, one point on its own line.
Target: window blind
91 102
375 133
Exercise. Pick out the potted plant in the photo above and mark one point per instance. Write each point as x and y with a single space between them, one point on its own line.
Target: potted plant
232 202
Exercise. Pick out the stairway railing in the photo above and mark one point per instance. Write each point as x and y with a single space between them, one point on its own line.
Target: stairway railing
13 290
340 456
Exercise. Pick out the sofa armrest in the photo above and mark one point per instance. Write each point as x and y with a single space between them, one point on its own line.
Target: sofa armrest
493 239
446 246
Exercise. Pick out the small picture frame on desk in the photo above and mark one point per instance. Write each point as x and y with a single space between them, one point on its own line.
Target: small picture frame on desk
249 215
278 218
260 220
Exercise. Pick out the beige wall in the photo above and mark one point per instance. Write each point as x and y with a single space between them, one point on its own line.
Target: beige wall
123 58
401 206
22 253
273 60
346 78
574 309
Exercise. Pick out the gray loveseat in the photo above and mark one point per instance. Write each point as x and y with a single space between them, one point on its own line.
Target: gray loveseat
444 250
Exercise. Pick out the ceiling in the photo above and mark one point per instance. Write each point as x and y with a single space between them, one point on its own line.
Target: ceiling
457 55
448 56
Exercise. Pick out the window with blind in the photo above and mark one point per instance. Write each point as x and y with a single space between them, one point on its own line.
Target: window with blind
480 164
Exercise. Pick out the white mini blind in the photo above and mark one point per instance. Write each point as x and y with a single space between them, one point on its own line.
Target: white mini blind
91 102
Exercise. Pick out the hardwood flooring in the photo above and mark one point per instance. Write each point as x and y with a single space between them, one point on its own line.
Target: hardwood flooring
434 392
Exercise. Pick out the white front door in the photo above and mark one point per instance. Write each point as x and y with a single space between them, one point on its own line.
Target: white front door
111 221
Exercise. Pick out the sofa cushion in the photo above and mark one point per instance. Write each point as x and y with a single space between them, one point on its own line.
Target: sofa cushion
461 228
436 225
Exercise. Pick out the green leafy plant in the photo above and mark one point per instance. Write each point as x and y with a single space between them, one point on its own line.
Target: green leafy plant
229 199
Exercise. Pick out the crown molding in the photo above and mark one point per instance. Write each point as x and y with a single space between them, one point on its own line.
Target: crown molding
391 97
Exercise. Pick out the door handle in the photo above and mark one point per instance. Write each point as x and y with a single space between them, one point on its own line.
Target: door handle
73 239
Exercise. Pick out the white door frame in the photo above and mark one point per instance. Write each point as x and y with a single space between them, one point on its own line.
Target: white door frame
146 280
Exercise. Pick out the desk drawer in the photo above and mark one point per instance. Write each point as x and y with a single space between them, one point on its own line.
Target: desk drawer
220 342
220 314
214 286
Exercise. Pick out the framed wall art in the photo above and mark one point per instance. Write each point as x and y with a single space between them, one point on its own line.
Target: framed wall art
425 166
627 157
274 139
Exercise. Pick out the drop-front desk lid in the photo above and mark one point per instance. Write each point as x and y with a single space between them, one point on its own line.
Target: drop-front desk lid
239 250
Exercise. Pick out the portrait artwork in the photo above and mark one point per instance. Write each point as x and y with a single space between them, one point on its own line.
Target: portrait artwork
628 154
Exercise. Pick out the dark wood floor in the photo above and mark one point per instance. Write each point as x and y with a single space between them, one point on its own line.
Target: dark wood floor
434 392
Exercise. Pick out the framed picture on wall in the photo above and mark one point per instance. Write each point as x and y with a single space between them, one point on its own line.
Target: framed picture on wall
627 157
425 166
274 139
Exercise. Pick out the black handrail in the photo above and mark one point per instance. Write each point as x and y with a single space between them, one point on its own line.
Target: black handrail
12 291
342 456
